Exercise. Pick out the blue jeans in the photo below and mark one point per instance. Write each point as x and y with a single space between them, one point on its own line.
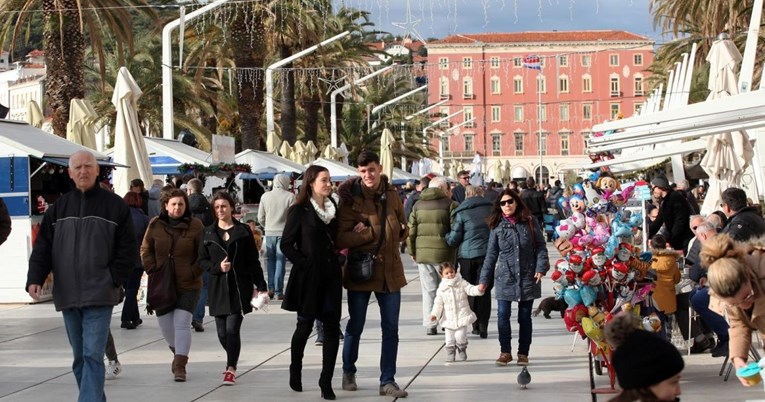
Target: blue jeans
390 305
275 263
715 322
199 311
524 326
88 329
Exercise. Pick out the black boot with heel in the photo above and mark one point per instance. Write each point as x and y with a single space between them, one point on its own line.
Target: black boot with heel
297 349
329 358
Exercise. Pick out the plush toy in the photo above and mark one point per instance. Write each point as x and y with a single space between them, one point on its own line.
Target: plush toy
652 323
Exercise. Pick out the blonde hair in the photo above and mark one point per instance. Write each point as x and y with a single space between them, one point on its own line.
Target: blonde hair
727 271
473 191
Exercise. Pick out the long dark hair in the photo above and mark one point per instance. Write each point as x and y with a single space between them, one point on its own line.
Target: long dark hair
165 198
309 177
522 212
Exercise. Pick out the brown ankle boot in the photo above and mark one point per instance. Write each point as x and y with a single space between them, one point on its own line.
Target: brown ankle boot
179 367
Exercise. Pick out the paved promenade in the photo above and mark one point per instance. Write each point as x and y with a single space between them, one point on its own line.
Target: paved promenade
35 362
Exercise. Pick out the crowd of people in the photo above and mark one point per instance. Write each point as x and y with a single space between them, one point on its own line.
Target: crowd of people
467 242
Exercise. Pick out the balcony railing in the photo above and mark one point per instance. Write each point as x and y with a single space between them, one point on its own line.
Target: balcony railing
445 97
616 94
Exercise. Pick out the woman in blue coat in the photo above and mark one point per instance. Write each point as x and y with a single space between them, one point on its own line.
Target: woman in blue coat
516 261
229 255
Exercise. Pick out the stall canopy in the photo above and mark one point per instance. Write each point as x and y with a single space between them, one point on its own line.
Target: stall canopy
338 171
21 139
648 156
265 165
401 177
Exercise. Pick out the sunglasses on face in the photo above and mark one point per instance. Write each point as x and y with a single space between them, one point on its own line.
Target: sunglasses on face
506 202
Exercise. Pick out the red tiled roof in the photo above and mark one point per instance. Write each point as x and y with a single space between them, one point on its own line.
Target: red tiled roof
543 36
36 52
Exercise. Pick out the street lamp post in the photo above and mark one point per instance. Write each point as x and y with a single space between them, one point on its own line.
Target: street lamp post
333 102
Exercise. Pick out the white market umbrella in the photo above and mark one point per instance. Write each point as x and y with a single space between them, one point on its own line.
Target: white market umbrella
425 166
476 176
34 114
299 153
129 146
312 151
285 150
507 170
386 152
728 154
497 171
272 142
342 153
329 153
453 170
81 126
415 169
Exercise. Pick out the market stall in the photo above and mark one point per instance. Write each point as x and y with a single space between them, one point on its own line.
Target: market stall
33 174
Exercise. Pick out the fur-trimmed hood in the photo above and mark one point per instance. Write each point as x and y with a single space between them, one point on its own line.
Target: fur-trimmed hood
665 252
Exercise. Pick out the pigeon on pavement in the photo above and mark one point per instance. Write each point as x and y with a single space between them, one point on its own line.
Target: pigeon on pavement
524 378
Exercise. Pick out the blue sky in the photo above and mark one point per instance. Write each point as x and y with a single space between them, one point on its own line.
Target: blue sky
443 17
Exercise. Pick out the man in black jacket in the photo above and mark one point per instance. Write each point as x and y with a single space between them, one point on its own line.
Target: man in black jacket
534 200
744 222
5 222
86 240
674 214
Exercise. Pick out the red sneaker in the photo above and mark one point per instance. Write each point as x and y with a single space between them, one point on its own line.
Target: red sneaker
229 378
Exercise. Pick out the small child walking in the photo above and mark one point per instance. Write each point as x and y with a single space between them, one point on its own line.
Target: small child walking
453 309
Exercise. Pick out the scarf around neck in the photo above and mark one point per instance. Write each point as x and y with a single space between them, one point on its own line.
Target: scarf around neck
328 213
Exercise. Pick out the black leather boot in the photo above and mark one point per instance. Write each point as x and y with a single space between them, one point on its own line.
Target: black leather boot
297 348
329 358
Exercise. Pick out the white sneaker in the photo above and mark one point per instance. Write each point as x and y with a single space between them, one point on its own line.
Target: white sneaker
113 369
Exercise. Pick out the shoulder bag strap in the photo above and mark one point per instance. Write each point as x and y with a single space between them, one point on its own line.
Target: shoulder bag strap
383 218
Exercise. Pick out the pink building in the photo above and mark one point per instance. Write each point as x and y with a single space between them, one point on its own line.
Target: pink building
584 78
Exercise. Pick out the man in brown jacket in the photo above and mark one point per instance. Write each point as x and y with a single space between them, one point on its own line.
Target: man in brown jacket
359 228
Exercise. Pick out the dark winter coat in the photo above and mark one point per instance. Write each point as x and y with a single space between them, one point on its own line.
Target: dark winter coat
458 193
231 292
140 224
745 224
358 204
200 208
315 285
469 230
674 214
512 260
87 241
535 201
5 222
156 247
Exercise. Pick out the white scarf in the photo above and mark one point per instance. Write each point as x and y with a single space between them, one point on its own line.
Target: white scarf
326 214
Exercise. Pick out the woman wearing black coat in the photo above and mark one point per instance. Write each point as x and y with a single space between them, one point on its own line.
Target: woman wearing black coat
229 255
314 289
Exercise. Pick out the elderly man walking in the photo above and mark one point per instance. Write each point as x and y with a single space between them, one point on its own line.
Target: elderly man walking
429 223
86 240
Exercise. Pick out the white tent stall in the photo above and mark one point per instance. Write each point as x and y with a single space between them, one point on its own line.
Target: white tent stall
33 172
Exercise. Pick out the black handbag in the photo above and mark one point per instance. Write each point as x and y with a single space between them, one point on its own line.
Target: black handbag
160 293
361 264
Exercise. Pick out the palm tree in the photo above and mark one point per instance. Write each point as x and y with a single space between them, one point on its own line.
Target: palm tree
700 22
190 97
67 25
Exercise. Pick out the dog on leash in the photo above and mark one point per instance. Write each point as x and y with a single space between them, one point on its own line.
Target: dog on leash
549 304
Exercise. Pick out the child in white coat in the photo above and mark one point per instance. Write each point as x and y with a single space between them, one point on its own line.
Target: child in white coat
452 302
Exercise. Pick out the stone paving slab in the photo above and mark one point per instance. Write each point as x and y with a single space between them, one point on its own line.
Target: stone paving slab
35 362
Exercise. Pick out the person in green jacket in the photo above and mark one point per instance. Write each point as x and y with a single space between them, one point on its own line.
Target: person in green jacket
429 222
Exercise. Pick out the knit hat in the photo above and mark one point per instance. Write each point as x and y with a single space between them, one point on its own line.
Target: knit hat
645 359
660 182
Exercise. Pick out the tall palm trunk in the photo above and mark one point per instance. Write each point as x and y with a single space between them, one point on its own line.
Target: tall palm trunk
311 105
289 110
64 45
248 41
